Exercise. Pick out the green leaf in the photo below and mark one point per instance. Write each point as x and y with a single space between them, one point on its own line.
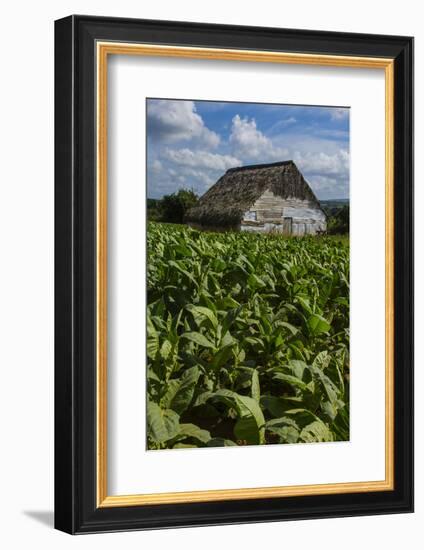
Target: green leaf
246 431
317 324
275 405
152 339
329 387
340 426
227 303
279 341
202 398
255 342
183 250
247 408
290 327
286 429
316 431
303 417
256 388
198 338
177 266
200 312
329 410
191 430
298 368
249 377
152 376
162 424
221 442
180 391
322 360
229 319
221 357
287 434
227 340
313 429
292 381
255 282
304 302
165 349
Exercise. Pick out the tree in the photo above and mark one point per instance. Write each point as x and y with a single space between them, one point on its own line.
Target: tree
339 222
174 207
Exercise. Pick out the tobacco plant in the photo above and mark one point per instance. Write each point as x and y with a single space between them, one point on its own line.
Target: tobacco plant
247 338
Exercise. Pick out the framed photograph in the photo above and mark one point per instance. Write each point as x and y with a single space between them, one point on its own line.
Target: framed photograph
234 268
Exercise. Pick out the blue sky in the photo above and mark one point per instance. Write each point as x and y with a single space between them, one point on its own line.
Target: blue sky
190 144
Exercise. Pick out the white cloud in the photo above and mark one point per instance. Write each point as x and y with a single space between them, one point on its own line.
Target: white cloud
332 134
173 121
282 124
200 159
184 153
336 163
250 143
200 179
186 169
330 187
156 166
327 173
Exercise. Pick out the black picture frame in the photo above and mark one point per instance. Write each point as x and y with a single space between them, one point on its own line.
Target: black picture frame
76 510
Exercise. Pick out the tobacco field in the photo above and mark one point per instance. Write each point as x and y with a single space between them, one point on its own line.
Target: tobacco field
247 338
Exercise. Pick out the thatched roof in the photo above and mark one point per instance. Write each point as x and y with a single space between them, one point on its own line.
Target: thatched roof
234 193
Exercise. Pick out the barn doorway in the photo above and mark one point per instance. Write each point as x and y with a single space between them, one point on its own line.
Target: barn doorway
287 226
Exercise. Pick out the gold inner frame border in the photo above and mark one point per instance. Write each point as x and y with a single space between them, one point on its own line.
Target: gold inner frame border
103 50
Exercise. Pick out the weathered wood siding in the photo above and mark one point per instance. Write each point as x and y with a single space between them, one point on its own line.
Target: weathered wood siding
290 216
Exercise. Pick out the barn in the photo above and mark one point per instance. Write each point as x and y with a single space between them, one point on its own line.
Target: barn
261 198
